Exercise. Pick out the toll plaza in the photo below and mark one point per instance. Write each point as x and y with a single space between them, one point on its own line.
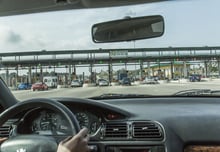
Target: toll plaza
165 62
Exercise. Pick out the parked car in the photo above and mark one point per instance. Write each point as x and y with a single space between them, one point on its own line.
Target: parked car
195 78
24 86
150 81
176 78
39 86
125 81
76 83
103 82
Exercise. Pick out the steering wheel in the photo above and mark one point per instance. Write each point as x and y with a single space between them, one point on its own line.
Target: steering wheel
36 143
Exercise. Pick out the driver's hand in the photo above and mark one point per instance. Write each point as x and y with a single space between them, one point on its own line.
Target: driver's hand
78 143
2 140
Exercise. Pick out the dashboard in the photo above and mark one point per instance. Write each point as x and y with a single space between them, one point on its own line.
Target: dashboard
169 124
50 123
46 122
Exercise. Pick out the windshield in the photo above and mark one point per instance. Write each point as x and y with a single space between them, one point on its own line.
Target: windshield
57 48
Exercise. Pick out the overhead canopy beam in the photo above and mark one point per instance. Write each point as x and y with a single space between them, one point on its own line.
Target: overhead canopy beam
100 56
59 52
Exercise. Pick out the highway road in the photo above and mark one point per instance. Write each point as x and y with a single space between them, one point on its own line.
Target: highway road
85 92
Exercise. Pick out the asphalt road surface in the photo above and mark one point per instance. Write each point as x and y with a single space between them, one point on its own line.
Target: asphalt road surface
85 92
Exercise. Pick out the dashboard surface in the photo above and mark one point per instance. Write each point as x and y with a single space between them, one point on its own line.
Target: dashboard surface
173 124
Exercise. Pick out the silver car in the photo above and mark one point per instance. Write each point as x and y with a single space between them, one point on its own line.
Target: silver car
103 82
76 83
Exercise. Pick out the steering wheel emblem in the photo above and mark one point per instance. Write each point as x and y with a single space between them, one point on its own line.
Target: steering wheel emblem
21 150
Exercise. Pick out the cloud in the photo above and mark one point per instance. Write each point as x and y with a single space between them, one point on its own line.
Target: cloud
66 30
9 37
14 37
62 30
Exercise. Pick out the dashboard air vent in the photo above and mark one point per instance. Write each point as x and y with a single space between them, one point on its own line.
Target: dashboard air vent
4 131
116 130
147 130
6 128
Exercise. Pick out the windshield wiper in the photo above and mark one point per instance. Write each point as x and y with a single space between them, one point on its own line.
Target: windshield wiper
119 96
197 92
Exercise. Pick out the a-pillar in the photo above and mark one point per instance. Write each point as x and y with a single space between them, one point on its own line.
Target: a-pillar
29 75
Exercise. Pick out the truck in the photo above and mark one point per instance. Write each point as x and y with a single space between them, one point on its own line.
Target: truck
51 81
121 76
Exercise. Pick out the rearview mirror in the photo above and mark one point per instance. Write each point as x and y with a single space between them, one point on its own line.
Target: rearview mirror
128 29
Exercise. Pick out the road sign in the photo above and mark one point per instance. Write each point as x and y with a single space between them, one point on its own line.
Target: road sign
118 53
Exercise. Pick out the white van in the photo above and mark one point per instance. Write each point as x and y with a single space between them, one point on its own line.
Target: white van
51 81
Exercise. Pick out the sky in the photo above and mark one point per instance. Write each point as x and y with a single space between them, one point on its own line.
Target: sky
187 23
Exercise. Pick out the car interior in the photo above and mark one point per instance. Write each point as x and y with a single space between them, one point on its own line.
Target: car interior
116 123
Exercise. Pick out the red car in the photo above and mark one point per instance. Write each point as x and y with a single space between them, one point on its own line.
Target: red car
39 86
